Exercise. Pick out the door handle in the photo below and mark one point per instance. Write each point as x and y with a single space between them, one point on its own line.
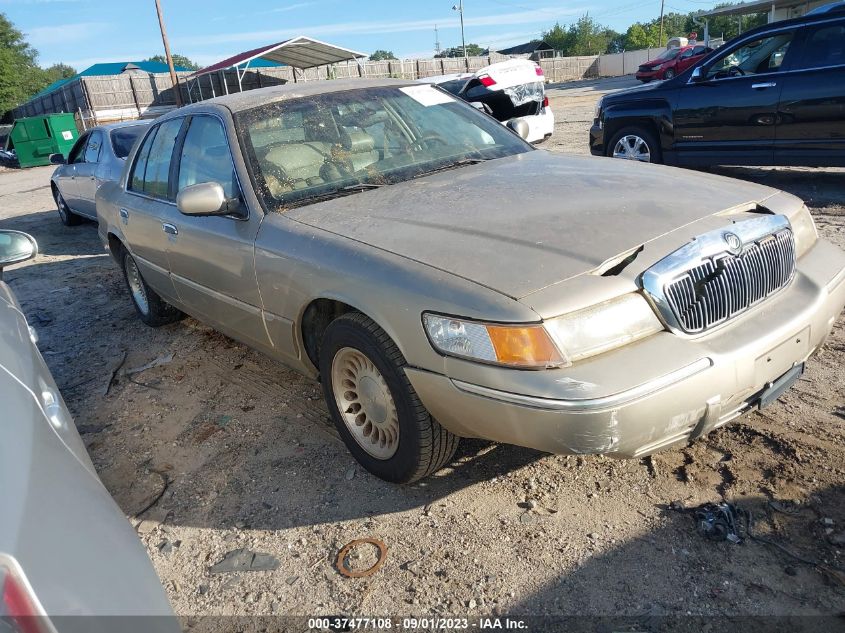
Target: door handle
124 213
770 84
170 229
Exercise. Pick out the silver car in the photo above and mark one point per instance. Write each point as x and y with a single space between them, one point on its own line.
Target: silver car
446 279
97 157
66 549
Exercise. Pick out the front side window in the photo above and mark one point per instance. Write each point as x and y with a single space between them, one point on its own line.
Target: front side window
92 149
206 156
825 47
77 154
151 172
307 149
765 55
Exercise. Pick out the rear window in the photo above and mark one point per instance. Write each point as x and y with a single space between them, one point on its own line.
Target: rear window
122 139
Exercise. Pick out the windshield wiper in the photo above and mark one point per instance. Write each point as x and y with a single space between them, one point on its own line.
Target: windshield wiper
458 163
361 186
337 193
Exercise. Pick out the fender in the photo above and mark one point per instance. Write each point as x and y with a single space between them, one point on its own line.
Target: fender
655 112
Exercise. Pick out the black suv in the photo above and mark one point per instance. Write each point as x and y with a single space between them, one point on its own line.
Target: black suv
772 96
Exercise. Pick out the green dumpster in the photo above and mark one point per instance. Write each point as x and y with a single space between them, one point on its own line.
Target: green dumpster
35 138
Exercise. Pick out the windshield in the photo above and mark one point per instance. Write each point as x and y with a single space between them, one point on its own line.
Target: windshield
122 139
672 53
307 149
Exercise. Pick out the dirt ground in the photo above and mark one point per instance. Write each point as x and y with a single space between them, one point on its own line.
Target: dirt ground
232 451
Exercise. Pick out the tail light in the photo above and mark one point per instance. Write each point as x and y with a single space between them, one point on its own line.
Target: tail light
539 71
487 81
18 606
545 102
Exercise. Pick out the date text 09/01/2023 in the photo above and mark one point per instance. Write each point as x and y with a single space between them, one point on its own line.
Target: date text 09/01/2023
414 624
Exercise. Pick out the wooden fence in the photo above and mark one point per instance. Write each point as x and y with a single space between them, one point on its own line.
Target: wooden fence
133 95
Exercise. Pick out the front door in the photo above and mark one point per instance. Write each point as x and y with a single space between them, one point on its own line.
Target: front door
212 258
86 171
148 200
728 115
811 127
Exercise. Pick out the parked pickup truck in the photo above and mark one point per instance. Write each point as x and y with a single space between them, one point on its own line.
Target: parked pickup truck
773 96
444 278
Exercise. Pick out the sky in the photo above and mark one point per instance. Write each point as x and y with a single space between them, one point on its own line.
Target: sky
84 32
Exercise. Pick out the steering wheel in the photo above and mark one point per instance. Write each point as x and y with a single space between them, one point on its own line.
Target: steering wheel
736 71
431 137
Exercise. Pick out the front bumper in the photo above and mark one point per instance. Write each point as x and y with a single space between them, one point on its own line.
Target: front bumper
648 75
719 377
597 139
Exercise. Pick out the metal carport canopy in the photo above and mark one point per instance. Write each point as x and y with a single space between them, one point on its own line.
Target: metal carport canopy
299 52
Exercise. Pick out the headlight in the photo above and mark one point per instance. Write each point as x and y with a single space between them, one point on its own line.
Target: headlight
604 326
524 346
804 230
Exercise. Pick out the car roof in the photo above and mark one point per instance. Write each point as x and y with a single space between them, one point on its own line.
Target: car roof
108 127
240 101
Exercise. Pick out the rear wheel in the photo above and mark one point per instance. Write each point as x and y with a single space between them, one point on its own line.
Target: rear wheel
635 143
374 406
68 217
153 310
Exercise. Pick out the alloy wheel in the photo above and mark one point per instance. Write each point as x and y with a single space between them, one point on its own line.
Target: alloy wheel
365 403
632 147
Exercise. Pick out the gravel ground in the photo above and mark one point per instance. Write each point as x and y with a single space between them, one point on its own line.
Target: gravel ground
237 452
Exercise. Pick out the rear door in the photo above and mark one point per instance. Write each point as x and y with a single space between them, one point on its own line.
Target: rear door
86 174
811 125
729 116
148 201
212 258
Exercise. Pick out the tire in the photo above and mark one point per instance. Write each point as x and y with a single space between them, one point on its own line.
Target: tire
68 217
636 132
669 74
413 445
151 308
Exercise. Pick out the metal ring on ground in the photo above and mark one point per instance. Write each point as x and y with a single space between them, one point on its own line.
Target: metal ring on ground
349 573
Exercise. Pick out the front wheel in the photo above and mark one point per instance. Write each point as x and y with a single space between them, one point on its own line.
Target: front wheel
68 217
151 308
635 143
374 406
669 74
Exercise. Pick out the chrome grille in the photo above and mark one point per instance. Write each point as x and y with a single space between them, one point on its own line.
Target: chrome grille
726 285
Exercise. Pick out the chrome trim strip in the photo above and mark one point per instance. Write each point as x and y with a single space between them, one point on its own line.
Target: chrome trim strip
589 405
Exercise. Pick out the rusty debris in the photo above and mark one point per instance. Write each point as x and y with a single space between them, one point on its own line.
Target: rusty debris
344 552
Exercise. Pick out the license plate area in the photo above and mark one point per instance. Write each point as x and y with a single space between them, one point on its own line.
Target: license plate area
777 388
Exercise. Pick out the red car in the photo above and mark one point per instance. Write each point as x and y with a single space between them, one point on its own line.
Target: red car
672 62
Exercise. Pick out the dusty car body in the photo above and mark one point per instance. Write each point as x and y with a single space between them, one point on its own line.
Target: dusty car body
96 157
508 90
506 293
66 549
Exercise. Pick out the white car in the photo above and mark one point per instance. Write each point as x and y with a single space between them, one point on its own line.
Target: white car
507 90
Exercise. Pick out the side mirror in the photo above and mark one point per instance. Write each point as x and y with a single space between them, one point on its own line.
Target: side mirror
16 247
57 159
205 198
520 127
697 75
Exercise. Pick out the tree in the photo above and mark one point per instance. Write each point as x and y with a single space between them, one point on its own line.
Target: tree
585 37
178 60
381 55
473 50
59 71
20 76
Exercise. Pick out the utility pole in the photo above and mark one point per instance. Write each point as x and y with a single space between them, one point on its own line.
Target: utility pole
460 9
173 79
436 41
662 7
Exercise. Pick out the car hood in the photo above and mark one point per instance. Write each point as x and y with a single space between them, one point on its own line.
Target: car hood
522 223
